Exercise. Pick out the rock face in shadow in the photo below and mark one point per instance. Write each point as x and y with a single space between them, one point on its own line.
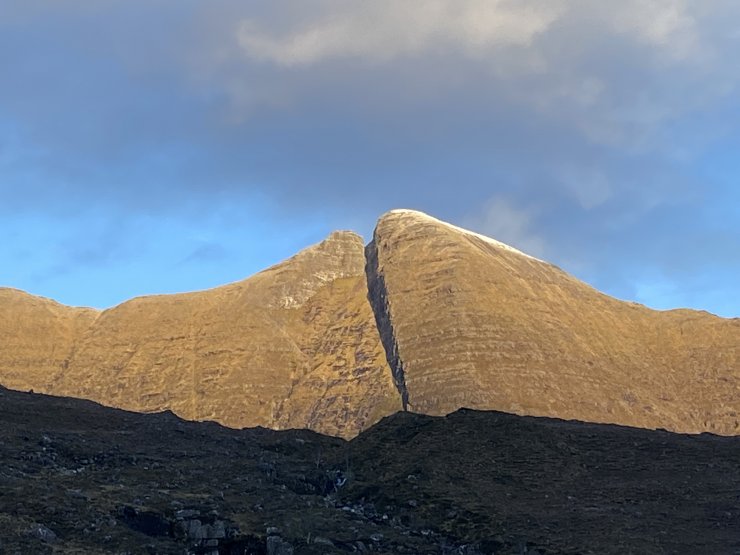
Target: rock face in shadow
292 346
477 324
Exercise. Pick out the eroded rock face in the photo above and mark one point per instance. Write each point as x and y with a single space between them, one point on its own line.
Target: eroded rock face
293 346
470 322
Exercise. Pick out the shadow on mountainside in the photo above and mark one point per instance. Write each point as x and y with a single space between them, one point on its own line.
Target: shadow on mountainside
80 478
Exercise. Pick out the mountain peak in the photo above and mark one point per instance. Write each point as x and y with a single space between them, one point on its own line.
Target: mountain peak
475 323
290 283
406 217
344 236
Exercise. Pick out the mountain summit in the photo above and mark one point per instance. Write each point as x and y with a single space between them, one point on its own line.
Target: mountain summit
428 317
471 322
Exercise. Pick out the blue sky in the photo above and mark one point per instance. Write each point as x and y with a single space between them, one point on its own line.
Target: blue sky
162 146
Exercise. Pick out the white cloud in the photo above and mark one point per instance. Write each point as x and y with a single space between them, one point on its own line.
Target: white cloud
505 222
615 72
589 186
666 24
383 30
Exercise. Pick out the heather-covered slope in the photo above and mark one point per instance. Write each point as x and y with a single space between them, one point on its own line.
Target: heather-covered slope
470 322
293 346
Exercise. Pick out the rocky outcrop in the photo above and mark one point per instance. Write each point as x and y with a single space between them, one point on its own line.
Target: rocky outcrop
478 324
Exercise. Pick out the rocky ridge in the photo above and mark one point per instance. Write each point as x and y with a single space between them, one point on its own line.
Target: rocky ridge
429 318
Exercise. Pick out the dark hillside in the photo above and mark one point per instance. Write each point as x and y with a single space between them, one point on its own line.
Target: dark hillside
80 478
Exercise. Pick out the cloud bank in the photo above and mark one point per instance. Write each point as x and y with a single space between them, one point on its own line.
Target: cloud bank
598 135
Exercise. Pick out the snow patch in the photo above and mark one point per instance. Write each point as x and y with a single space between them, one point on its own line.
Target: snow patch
489 240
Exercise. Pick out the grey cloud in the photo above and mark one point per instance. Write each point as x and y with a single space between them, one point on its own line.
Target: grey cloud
204 114
511 224
385 30
589 119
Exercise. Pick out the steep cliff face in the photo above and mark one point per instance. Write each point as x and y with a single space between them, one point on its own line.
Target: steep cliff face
378 297
478 324
293 346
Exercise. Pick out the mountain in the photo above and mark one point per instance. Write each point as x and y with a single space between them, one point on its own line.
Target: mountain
294 346
428 317
471 322
81 478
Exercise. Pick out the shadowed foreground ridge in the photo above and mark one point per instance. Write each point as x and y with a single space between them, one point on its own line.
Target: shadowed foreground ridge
81 478
427 317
